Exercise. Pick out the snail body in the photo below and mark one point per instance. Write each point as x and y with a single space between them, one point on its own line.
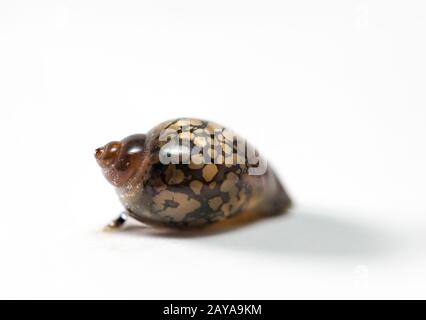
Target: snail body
189 172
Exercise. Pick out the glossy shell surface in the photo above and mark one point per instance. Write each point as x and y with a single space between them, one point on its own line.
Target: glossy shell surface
197 192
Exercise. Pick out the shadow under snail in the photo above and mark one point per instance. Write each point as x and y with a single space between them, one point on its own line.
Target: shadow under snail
186 173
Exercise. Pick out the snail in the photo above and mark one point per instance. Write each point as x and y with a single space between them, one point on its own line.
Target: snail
190 173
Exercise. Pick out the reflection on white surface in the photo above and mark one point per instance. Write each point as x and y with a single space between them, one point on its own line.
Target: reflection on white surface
305 233
301 232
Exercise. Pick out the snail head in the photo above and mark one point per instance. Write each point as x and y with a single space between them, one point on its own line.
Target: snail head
120 160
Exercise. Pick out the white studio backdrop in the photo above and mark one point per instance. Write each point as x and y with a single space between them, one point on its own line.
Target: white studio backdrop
331 92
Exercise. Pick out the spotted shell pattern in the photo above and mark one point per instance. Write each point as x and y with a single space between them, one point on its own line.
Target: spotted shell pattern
194 194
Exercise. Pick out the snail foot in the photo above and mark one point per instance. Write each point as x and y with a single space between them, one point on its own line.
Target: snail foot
116 223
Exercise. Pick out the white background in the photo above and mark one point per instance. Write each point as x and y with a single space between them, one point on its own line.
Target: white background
332 93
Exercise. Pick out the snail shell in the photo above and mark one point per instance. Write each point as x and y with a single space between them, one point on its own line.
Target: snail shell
160 180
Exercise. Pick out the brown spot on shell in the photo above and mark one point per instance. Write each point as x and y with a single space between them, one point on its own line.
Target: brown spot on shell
195 122
229 150
185 122
226 209
229 185
211 126
200 141
185 135
173 175
196 186
177 177
201 132
232 176
209 172
220 137
185 204
215 202
194 166
197 159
